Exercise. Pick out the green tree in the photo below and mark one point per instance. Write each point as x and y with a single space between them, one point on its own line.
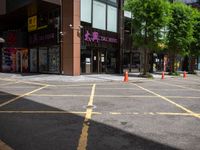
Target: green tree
195 45
149 19
180 32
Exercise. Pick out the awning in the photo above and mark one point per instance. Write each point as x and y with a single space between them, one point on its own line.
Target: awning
2 40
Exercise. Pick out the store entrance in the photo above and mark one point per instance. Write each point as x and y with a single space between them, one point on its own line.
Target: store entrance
99 61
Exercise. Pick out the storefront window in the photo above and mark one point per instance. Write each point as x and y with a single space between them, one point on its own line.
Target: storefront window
86 9
112 19
54 60
33 60
99 15
43 64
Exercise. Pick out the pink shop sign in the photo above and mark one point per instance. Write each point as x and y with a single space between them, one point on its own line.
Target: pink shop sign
96 37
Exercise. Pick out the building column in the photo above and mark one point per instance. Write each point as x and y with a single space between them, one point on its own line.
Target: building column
70 46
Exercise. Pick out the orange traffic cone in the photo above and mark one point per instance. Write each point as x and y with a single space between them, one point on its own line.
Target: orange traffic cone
184 74
163 75
126 76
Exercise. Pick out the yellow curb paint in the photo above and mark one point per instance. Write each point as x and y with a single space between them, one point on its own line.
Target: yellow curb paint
170 101
20 96
82 145
4 146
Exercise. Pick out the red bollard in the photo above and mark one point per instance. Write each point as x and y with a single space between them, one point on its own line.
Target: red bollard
184 74
126 76
163 75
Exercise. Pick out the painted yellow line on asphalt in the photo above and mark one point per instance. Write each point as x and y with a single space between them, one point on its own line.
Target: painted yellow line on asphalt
60 95
186 97
176 114
114 96
84 135
6 79
153 113
21 81
20 96
8 84
4 146
177 85
70 85
47 112
170 101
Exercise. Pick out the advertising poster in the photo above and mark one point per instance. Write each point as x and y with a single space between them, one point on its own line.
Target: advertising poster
9 60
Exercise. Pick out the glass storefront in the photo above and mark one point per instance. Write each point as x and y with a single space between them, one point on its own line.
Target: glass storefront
54 59
33 60
98 61
43 61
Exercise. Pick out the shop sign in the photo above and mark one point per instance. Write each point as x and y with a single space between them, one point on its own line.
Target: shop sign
32 23
45 37
96 37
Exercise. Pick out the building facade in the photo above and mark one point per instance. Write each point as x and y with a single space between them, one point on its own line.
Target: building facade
70 37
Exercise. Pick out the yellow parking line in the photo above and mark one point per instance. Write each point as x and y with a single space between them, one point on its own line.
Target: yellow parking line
170 101
21 81
6 79
177 85
59 95
20 96
84 135
176 114
71 85
114 96
4 146
153 113
186 97
47 112
8 84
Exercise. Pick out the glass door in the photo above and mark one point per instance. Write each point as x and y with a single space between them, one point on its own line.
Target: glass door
99 61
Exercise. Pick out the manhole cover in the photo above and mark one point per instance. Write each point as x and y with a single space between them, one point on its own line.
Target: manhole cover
90 107
124 123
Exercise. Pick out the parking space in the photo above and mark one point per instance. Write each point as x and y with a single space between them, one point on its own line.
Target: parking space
146 114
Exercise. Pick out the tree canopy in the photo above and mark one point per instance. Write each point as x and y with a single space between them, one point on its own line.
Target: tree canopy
149 18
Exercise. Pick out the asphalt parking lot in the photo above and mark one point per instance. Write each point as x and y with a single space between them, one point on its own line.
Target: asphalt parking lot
138 115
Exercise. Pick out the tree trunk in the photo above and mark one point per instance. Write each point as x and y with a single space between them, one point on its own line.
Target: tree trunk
191 64
145 61
173 60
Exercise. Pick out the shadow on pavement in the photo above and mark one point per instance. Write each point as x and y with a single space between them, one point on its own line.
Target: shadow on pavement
34 131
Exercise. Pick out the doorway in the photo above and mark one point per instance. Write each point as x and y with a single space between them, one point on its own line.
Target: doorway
99 61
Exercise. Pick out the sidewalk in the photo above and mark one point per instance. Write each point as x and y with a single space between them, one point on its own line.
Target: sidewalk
81 78
65 78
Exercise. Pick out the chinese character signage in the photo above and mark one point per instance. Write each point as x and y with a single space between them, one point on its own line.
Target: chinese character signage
96 37
32 23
